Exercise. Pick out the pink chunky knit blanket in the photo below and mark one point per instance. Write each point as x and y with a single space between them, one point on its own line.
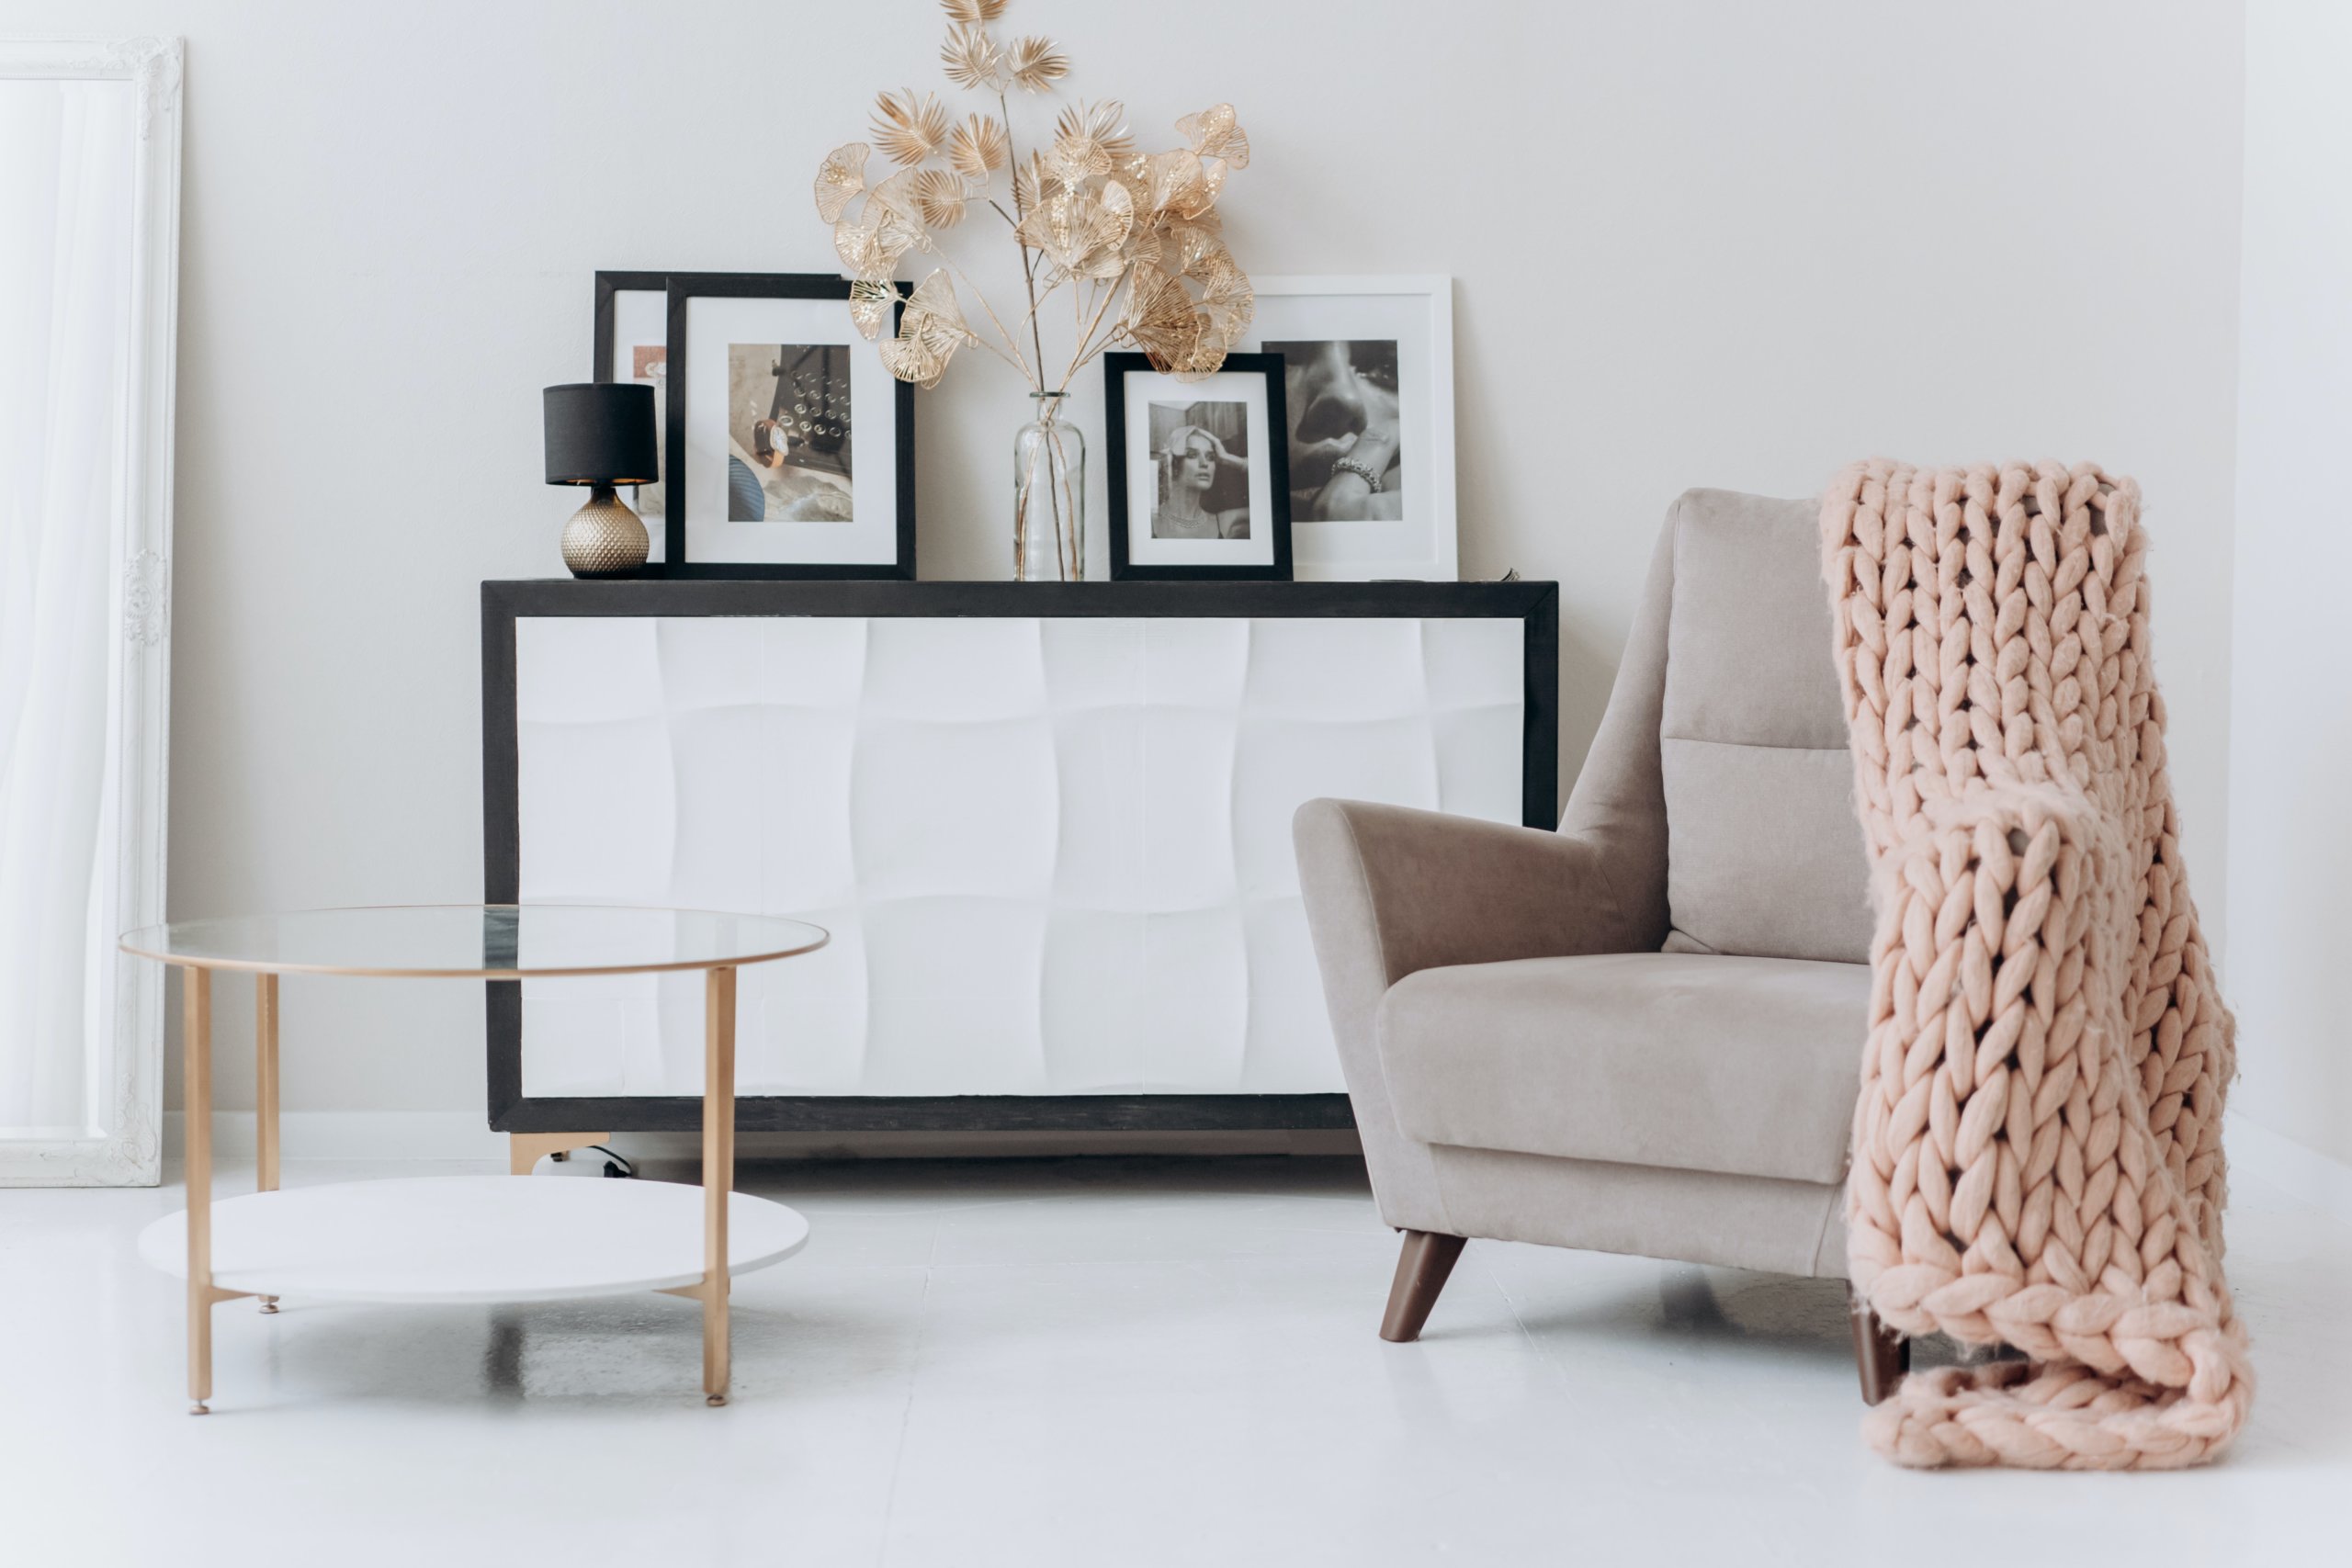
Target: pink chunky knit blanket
2038 1146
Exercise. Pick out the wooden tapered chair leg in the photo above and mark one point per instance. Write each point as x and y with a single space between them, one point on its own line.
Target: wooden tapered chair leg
1421 1271
1881 1355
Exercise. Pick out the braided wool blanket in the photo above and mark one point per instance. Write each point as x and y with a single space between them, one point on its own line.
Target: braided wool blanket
2037 1150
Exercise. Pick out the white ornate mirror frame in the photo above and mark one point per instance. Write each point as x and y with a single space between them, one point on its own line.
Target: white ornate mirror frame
89 263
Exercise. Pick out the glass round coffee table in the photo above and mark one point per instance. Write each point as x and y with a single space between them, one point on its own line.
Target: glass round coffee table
465 1238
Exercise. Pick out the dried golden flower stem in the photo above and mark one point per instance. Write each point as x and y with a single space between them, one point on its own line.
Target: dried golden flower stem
1011 352
1028 262
1135 237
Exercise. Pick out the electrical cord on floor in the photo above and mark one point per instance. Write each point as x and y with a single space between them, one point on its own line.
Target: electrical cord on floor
615 1163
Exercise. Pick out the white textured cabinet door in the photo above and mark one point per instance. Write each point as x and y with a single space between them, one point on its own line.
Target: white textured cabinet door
1054 853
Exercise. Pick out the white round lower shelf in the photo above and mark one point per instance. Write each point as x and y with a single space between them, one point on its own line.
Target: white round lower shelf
472 1238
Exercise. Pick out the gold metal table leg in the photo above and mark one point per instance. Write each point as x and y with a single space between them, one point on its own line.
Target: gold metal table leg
718 1174
196 1038
266 1096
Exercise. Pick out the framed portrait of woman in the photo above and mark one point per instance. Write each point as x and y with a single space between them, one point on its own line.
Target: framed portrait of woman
1368 378
788 452
1199 476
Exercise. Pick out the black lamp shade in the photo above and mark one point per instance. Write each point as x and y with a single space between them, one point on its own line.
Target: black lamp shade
600 433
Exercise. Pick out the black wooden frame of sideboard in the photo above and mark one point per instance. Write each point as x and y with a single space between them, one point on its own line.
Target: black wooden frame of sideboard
1535 604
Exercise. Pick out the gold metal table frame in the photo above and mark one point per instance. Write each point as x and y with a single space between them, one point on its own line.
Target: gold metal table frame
196 1031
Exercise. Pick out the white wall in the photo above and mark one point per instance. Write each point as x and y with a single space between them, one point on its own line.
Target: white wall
1725 243
2290 836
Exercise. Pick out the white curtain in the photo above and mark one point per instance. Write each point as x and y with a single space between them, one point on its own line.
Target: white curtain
67 203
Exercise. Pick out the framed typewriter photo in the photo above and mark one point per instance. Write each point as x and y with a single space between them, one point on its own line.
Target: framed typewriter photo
786 454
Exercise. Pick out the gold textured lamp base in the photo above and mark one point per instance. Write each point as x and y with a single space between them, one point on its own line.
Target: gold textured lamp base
604 537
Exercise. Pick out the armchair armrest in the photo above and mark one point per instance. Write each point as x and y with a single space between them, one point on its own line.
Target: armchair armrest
1390 891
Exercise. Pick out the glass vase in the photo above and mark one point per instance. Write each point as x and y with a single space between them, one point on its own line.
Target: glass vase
1050 495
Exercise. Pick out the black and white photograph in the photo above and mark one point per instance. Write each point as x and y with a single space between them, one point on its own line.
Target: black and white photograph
1347 459
789 452
788 433
1202 451
1198 471
1368 373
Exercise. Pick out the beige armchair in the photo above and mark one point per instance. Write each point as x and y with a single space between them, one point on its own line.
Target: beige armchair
1641 1033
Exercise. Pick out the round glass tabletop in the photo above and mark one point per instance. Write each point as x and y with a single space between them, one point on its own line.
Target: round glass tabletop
476 942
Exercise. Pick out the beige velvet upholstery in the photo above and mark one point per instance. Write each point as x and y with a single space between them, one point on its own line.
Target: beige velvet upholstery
1736 1222
1764 854
1525 1061
1739 1066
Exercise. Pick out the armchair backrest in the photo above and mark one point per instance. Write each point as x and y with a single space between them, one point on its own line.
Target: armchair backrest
1719 786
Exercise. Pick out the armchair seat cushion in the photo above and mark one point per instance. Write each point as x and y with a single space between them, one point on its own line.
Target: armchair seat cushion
1738 1066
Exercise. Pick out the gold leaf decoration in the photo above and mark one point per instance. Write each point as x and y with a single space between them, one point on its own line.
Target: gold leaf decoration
978 145
971 58
870 302
930 332
1029 182
1103 123
1036 64
1145 248
1214 133
1161 321
1196 198
1192 248
1229 303
1074 160
931 311
870 248
1081 233
897 214
859 245
1182 183
1208 355
841 177
909 360
972 13
939 197
909 128
895 195
1107 238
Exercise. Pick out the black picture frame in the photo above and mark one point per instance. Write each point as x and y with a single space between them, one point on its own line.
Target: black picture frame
1536 606
683 287
1116 368
607 284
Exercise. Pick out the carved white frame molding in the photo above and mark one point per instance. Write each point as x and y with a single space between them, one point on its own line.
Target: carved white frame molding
122 1144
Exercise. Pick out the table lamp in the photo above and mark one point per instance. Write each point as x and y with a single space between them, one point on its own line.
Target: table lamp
600 433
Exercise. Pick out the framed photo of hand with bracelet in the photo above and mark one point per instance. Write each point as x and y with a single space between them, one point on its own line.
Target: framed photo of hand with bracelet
1368 384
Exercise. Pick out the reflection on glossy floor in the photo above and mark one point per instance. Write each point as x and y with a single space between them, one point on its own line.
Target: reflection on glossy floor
1086 1362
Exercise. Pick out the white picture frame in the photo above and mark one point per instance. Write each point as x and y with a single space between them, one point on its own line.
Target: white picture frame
114 1138
1414 313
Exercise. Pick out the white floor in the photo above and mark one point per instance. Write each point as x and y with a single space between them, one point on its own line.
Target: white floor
1105 1363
